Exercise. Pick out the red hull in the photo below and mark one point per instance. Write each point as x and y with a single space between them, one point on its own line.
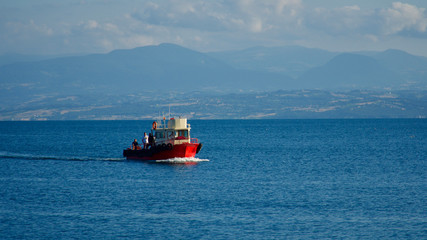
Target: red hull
185 150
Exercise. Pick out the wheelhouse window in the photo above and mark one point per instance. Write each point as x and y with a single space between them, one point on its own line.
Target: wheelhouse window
183 133
160 135
171 134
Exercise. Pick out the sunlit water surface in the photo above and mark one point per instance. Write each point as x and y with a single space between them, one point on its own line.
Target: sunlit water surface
252 179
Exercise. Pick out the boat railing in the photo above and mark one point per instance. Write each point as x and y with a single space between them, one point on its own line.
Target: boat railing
165 126
159 125
194 140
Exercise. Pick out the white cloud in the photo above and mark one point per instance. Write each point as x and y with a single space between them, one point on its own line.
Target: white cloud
208 25
91 24
106 44
371 37
351 8
256 25
109 27
403 16
136 40
352 21
244 15
338 21
198 39
29 28
288 4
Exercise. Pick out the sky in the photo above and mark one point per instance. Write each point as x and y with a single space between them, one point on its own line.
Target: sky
51 27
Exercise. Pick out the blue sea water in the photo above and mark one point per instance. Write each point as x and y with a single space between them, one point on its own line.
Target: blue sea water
255 179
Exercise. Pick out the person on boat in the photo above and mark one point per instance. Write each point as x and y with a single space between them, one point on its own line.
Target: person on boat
150 140
135 144
145 141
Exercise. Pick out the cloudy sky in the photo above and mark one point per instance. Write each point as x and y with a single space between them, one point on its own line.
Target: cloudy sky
99 26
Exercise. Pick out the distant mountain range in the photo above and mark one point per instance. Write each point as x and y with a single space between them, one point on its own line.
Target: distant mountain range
158 72
165 67
320 69
173 68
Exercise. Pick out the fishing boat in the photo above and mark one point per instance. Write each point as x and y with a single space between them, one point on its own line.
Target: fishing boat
171 139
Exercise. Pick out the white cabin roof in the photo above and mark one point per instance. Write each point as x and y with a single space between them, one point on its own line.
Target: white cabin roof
173 124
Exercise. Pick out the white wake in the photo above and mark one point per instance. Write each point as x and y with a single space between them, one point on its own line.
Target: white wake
182 160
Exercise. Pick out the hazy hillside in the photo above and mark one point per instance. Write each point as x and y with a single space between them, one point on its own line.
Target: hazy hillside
401 61
169 67
6 59
316 68
413 69
165 67
131 84
289 60
350 71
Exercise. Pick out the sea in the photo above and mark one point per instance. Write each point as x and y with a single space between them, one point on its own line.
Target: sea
253 179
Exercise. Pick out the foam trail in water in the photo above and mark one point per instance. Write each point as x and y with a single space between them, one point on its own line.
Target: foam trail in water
66 158
182 160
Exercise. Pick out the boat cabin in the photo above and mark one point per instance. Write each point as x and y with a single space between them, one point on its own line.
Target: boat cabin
174 131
